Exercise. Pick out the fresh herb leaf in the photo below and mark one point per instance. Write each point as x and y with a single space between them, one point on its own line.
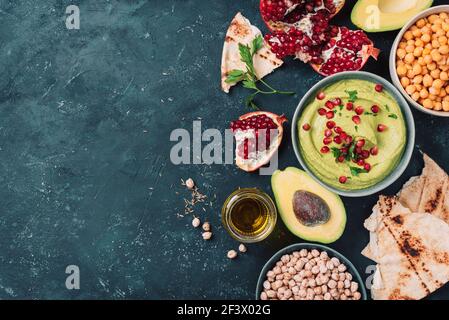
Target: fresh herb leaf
392 115
336 152
356 171
387 107
340 114
249 76
356 128
352 95
340 107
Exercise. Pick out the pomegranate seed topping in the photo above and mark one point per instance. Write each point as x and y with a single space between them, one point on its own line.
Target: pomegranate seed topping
343 135
375 109
338 130
330 115
321 95
348 140
338 140
349 106
330 124
337 102
361 162
381 127
356 119
359 110
367 167
306 127
358 150
329 104
343 179
360 143
344 150
327 140
379 87
374 151
365 154
341 158
325 149
322 111
327 132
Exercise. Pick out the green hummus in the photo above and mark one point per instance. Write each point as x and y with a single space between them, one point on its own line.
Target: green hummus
389 141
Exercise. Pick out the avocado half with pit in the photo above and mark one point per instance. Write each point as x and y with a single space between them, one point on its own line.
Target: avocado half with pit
386 15
309 211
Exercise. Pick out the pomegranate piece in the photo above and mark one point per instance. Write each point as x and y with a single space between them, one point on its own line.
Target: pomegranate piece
381 127
347 51
306 127
375 109
349 106
343 179
359 110
356 119
379 88
258 136
325 149
330 124
321 95
374 151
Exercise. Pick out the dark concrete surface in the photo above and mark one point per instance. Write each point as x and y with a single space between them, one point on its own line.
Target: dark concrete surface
86 179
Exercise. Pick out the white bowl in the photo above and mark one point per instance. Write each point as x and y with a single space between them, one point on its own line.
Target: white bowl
394 75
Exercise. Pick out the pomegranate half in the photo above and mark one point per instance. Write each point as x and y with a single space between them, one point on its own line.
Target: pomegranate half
302 29
258 136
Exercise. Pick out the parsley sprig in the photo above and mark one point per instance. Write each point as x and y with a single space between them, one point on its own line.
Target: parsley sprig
249 78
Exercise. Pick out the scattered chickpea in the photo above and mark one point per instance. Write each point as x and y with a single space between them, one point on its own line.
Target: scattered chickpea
190 184
232 254
206 226
196 222
242 248
207 235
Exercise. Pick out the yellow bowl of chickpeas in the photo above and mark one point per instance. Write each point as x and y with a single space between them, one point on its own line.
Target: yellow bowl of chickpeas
419 61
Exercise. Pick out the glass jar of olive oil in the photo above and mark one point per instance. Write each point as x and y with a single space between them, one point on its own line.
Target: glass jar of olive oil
249 215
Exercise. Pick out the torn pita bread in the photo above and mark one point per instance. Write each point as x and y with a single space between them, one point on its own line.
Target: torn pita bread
241 31
411 251
429 192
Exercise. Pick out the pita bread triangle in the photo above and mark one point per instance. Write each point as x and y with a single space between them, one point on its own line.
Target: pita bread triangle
241 31
428 193
411 251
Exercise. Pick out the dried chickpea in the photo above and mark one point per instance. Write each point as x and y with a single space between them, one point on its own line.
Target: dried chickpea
427 80
424 93
410 89
401 53
428 104
435 73
405 81
416 96
408 35
421 23
438 83
416 80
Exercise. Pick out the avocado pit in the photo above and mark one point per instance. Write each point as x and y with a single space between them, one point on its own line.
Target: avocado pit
310 209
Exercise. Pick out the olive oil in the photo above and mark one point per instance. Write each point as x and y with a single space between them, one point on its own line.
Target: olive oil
249 215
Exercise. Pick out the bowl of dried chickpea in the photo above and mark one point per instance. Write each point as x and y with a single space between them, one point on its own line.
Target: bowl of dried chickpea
419 61
309 271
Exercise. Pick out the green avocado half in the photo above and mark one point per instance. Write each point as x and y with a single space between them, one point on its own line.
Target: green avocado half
386 15
289 187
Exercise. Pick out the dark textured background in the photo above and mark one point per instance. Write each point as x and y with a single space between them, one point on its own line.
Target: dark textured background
85 119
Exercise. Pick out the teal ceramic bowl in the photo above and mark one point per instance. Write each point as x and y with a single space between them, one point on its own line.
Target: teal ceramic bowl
309 246
408 117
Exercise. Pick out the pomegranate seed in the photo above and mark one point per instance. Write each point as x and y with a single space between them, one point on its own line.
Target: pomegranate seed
306 127
343 179
361 162
325 149
321 95
327 132
365 154
338 130
360 143
349 106
379 87
358 150
359 110
338 140
327 140
330 124
367 167
375 109
344 150
330 115
337 102
343 135
381 127
322 111
356 119
374 151
329 104
341 158
348 140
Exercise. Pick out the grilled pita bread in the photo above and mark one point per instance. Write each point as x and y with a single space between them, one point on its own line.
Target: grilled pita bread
428 193
411 251
241 31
